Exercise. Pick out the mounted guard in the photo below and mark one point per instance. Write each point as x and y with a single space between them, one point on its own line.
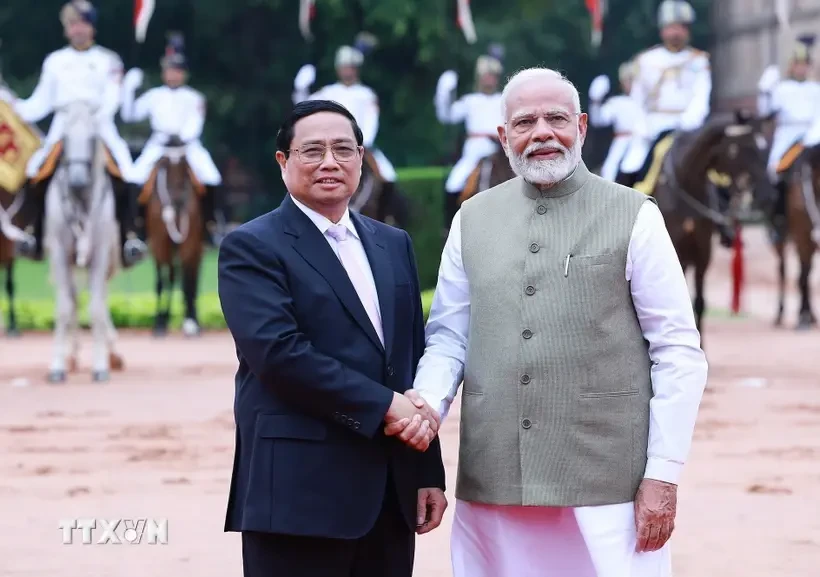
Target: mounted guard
175 110
794 104
621 112
480 111
83 71
359 99
673 86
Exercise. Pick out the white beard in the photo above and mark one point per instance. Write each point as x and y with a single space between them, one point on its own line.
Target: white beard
545 172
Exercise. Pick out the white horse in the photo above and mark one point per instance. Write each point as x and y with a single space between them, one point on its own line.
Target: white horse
82 233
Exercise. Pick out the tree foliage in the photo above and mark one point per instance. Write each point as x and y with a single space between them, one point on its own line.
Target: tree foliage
244 55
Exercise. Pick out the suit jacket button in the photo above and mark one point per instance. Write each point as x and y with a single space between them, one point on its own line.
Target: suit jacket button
357 424
390 370
350 421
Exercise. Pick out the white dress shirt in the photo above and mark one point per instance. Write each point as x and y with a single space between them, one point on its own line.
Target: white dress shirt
664 309
323 224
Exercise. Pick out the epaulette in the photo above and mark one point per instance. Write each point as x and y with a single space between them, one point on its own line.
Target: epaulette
699 52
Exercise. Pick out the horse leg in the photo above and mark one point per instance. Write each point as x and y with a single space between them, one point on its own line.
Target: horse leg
64 311
98 313
11 329
190 287
781 283
160 325
806 319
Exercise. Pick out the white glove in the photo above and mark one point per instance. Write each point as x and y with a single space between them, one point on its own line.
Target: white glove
769 78
133 79
599 88
305 77
447 82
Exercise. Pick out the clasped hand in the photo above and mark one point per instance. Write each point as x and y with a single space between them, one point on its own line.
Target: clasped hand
412 420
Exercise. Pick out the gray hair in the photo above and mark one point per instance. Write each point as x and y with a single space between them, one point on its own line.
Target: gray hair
523 76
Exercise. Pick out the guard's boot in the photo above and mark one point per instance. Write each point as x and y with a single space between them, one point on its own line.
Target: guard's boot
778 225
35 213
132 248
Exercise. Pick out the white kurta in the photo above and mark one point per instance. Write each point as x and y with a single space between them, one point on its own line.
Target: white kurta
673 89
68 76
363 104
501 541
795 105
172 112
623 114
481 115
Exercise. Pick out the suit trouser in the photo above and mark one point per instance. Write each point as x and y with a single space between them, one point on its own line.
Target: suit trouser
387 550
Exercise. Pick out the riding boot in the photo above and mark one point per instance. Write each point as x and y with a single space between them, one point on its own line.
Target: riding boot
132 249
451 207
34 211
778 224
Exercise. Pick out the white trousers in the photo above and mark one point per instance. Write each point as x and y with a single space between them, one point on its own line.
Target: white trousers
615 156
474 149
385 166
499 541
784 137
199 159
108 133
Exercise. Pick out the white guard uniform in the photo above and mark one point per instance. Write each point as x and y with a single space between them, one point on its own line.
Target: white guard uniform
70 75
173 112
623 114
795 105
481 115
363 103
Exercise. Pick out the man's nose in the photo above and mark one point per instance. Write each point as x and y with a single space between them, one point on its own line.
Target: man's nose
542 131
329 161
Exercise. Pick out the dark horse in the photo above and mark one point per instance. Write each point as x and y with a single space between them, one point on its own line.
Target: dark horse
175 226
491 171
689 200
9 219
803 218
379 199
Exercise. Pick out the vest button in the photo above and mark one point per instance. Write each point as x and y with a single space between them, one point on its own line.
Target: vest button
527 334
525 379
526 423
530 290
534 247
541 209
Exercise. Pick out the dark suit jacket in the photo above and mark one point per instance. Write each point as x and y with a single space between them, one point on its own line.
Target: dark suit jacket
314 382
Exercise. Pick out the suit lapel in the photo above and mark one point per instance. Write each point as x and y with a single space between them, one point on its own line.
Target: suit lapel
309 242
382 270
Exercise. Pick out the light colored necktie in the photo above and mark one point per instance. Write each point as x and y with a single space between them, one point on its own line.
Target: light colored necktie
357 276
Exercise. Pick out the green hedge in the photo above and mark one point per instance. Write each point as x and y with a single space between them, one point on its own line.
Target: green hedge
134 311
425 188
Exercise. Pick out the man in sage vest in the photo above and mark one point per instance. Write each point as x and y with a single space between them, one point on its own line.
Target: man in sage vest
562 307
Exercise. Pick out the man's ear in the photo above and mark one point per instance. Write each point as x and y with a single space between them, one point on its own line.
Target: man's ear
582 126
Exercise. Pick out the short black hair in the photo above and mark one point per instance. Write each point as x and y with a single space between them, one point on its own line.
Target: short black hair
306 108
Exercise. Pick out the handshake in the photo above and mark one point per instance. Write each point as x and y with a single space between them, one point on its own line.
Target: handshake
412 420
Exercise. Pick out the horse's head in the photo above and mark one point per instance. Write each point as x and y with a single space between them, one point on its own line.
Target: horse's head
80 145
740 154
174 169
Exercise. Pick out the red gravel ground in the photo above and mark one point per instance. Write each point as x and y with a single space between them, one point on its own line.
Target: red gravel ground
157 442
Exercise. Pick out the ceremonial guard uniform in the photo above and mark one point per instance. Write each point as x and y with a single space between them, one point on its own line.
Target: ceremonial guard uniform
82 71
174 110
359 99
621 112
794 102
672 85
480 111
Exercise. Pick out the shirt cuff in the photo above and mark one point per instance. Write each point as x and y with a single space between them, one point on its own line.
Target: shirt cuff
663 470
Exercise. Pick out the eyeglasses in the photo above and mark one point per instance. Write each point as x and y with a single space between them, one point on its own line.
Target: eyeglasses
315 153
556 120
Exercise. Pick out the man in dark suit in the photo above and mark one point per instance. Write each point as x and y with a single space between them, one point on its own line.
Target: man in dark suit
325 310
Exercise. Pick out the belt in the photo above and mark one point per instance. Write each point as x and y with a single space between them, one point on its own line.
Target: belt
619 134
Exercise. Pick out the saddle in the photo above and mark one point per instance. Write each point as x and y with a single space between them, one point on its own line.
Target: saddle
53 159
659 152
789 158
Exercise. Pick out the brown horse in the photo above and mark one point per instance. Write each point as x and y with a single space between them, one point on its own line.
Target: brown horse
491 171
379 199
175 227
9 216
803 218
689 199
